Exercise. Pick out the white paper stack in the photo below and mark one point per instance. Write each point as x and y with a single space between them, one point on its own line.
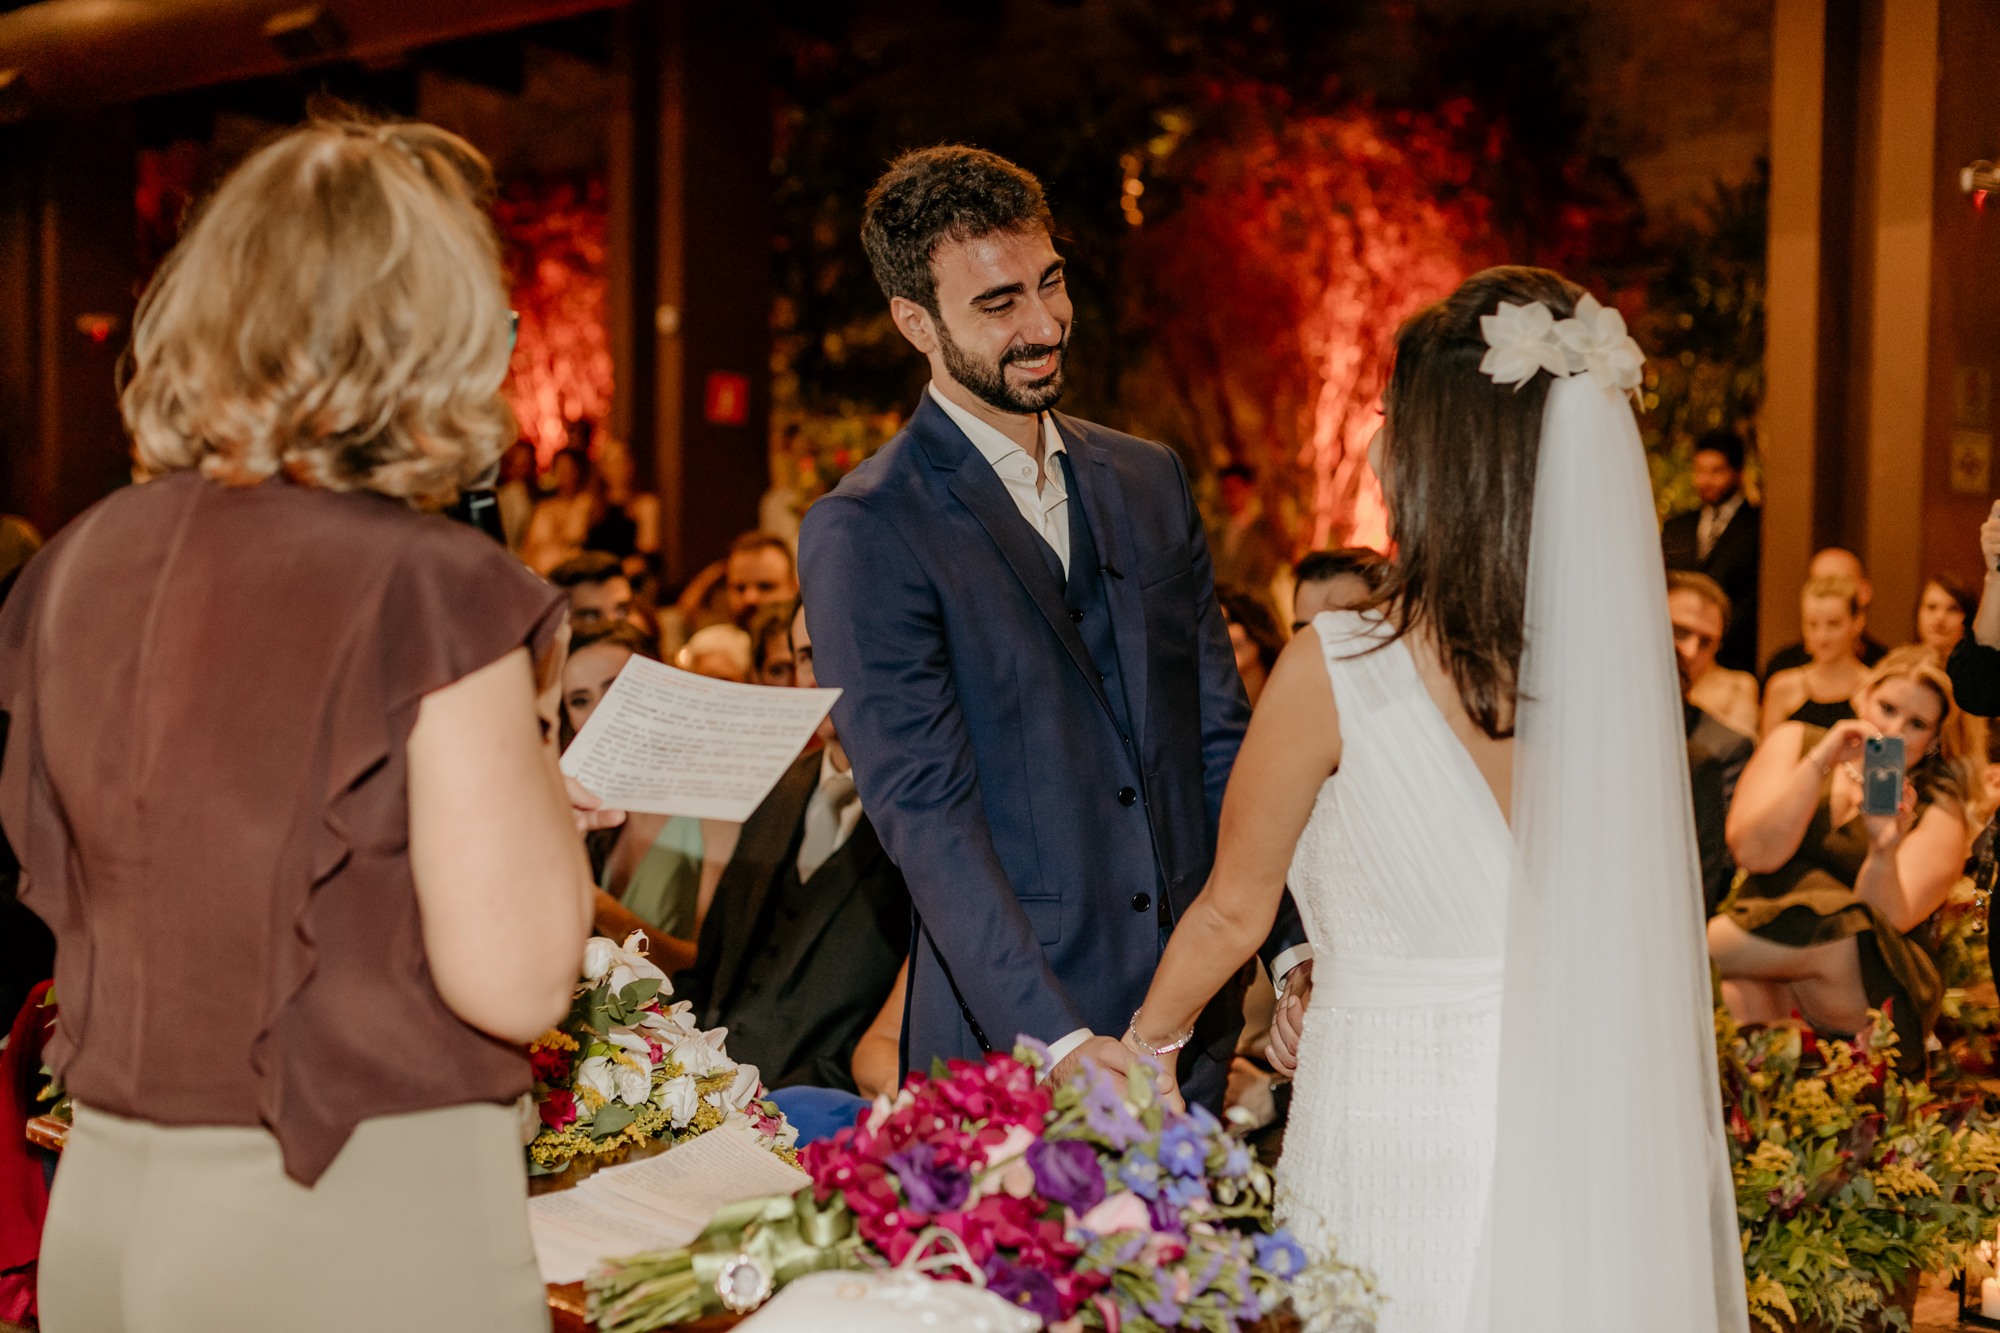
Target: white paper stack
661 1203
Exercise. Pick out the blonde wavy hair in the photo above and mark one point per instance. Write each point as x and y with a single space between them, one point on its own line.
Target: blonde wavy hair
1953 768
337 314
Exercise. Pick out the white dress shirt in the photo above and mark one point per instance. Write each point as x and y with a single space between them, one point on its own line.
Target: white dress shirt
835 803
1046 507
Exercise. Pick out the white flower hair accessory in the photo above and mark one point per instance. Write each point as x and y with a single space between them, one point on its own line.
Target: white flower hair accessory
1524 339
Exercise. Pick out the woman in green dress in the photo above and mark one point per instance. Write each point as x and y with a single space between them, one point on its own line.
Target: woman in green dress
1831 920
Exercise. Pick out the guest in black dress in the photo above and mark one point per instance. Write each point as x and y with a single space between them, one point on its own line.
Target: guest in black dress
623 522
1820 693
1833 919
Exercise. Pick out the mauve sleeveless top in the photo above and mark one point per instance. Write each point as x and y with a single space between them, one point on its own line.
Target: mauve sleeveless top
209 693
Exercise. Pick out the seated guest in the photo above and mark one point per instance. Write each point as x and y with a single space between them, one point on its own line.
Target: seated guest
1333 581
624 521
558 522
1832 563
282 777
1700 611
810 924
1722 540
1942 613
598 590
721 652
1717 753
1820 693
761 571
1253 633
771 647
1827 921
650 868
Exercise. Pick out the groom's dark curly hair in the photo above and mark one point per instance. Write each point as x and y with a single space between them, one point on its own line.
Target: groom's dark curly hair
931 196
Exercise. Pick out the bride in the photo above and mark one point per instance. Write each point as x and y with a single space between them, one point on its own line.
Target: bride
1477 790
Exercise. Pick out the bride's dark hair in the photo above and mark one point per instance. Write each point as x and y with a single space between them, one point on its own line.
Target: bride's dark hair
1461 453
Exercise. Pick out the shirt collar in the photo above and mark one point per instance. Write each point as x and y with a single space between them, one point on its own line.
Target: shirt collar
1727 509
826 768
991 444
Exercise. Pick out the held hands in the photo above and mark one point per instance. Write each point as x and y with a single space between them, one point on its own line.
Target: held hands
1288 1021
1166 1078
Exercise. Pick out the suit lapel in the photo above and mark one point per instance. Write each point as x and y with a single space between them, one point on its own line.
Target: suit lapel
769 835
834 883
981 491
1103 501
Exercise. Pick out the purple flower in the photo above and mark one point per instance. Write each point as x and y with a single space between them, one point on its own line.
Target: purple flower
1182 1150
1029 1288
929 1187
1066 1172
1203 1120
1104 1110
1182 1193
1141 1175
1166 1215
1279 1254
1162 1312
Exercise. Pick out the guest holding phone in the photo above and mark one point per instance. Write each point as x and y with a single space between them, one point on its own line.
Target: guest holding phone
281 772
1830 919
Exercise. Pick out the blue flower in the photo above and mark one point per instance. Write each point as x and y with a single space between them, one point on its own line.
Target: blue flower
1278 1254
1141 1175
1182 1193
1203 1120
1182 1150
1235 1161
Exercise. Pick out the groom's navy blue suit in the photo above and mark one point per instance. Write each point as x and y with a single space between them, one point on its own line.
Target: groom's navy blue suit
1043 757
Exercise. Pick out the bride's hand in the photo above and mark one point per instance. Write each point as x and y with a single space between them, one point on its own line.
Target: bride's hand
1288 1021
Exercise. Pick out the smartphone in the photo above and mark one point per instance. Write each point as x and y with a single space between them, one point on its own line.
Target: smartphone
1882 775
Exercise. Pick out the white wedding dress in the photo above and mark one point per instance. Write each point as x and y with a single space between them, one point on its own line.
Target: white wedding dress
1401 878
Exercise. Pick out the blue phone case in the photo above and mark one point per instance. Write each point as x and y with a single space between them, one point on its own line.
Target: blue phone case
1882 776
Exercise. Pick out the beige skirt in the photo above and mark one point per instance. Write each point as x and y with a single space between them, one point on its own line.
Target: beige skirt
421 1223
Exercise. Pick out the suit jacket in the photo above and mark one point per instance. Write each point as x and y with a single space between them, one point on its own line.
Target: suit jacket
1733 562
797 972
1036 836
1717 753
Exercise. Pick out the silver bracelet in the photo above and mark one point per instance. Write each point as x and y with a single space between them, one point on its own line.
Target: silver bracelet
1132 1030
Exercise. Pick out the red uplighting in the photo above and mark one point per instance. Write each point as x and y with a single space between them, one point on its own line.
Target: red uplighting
553 233
727 400
1979 200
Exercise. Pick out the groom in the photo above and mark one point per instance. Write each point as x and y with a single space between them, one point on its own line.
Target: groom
1041 702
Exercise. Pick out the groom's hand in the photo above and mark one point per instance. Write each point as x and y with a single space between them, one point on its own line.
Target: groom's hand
1288 1021
1102 1051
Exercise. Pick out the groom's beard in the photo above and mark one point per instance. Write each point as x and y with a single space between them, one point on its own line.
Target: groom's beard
988 379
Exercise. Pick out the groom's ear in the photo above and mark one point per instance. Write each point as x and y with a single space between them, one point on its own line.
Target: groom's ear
915 323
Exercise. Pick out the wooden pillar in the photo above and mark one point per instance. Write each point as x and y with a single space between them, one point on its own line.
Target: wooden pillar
1789 439
68 271
1899 377
691 230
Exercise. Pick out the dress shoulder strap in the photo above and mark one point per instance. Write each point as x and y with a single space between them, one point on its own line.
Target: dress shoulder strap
1369 668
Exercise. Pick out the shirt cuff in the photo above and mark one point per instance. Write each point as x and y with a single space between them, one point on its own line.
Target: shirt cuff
1061 1050
1289 959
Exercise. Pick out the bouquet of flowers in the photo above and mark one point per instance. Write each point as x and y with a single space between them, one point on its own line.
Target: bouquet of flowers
622 1069
1850 1182
1093 1205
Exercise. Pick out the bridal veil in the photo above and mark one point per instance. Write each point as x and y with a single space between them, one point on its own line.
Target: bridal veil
1612 1204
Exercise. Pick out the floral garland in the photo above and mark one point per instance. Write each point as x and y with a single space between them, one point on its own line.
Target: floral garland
621 1069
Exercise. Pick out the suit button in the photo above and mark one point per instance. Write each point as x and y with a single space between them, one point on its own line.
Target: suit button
1077 616
1141 901
1126 796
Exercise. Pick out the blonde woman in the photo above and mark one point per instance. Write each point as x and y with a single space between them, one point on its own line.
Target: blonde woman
1819 693
282 778
1827 923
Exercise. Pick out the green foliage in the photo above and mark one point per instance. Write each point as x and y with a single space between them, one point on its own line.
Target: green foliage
1850 1182
1969 1015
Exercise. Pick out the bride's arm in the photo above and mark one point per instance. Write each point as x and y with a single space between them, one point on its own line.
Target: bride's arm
1292 745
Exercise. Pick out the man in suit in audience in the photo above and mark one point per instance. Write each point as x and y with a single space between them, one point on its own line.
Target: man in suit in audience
1723 539
809 925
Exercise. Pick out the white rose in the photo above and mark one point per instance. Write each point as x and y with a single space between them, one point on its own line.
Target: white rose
625 1040
680 1099
595 1074
598 953
634 1085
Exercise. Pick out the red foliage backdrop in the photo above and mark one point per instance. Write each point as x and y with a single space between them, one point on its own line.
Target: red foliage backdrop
552 235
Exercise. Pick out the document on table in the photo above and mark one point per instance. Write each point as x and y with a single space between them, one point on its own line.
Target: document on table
661 1203
669 742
